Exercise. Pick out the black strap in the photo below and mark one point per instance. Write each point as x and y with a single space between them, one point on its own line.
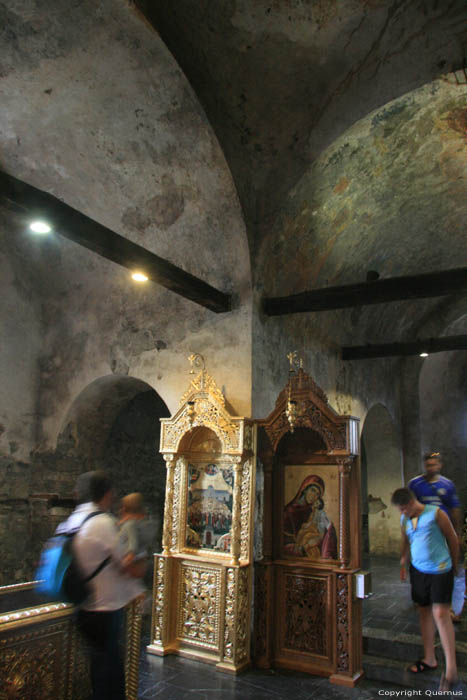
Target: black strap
99 568
106 560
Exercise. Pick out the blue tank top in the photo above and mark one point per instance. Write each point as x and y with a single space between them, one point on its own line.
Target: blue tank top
429 550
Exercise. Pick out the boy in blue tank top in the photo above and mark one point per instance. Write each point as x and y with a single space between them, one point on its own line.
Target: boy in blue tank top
430 541
434 489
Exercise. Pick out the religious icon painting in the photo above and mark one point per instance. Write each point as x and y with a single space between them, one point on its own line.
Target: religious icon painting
209 507
311 512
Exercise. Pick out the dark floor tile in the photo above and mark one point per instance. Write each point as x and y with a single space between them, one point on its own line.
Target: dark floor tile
389 610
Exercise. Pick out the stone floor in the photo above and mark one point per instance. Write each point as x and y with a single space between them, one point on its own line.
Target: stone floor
174 678
390 608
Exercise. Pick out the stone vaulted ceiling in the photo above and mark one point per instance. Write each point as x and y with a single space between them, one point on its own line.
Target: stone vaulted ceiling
343 123
280 80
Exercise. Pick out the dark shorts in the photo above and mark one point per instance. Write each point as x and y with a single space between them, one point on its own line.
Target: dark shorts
431 588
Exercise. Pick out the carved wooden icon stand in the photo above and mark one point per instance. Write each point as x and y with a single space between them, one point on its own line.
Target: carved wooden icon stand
306 615
202 579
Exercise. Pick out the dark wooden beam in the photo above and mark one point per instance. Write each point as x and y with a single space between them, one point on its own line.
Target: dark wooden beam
430 345
380 291
72 224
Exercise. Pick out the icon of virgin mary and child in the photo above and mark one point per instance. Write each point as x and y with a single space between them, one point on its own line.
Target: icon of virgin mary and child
308 532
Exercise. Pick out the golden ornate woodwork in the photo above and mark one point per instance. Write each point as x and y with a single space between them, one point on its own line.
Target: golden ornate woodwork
202 579
306 615
42 656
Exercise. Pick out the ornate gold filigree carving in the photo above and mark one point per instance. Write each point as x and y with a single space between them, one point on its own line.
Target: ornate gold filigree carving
45 659
203 383
79 679
168 508
229 616
176 516
236 613
199 605
206 414
245 511
159 611
33 663
236 509
201 600
134 620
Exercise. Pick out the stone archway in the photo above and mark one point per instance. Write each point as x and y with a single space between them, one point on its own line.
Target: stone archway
113 424
381 475
443 413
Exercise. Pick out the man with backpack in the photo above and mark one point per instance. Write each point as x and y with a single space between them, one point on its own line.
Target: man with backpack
97 547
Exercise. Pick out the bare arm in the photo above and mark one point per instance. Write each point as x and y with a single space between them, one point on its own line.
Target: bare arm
456 517
405 550
448 531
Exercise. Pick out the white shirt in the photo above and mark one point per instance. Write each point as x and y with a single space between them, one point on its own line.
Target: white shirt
97 539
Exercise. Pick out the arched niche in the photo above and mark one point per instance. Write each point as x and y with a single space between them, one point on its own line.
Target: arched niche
306 616
381 470
113 424
443 413
202 581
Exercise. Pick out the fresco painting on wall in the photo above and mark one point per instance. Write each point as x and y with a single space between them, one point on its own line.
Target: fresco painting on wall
209 507
311 511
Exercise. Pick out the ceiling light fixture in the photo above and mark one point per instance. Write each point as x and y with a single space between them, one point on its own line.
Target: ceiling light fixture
139 277
40 227
423 354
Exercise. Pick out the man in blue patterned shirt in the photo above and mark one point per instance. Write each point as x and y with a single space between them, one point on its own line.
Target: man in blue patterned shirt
433 489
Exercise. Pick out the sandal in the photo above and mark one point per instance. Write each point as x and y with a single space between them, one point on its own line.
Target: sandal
421 667
445 685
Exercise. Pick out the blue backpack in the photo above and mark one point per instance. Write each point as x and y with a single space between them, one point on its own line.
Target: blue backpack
58 575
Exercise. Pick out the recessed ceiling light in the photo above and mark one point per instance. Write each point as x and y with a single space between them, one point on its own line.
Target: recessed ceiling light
139 277
423 354
40 227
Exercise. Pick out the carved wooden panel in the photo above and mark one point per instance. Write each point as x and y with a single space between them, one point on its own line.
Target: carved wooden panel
343 603
43 657
199 604
33 663
305 628
261 611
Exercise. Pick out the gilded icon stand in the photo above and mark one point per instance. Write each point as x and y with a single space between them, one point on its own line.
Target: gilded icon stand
202 579
306 615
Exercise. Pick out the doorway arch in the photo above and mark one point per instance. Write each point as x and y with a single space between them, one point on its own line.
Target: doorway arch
443 413
381 468
114 424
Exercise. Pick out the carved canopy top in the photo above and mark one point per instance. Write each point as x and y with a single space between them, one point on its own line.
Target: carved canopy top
312 411
203 405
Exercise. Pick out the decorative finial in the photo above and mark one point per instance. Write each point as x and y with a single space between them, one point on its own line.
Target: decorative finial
292 410
196 360
295 361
